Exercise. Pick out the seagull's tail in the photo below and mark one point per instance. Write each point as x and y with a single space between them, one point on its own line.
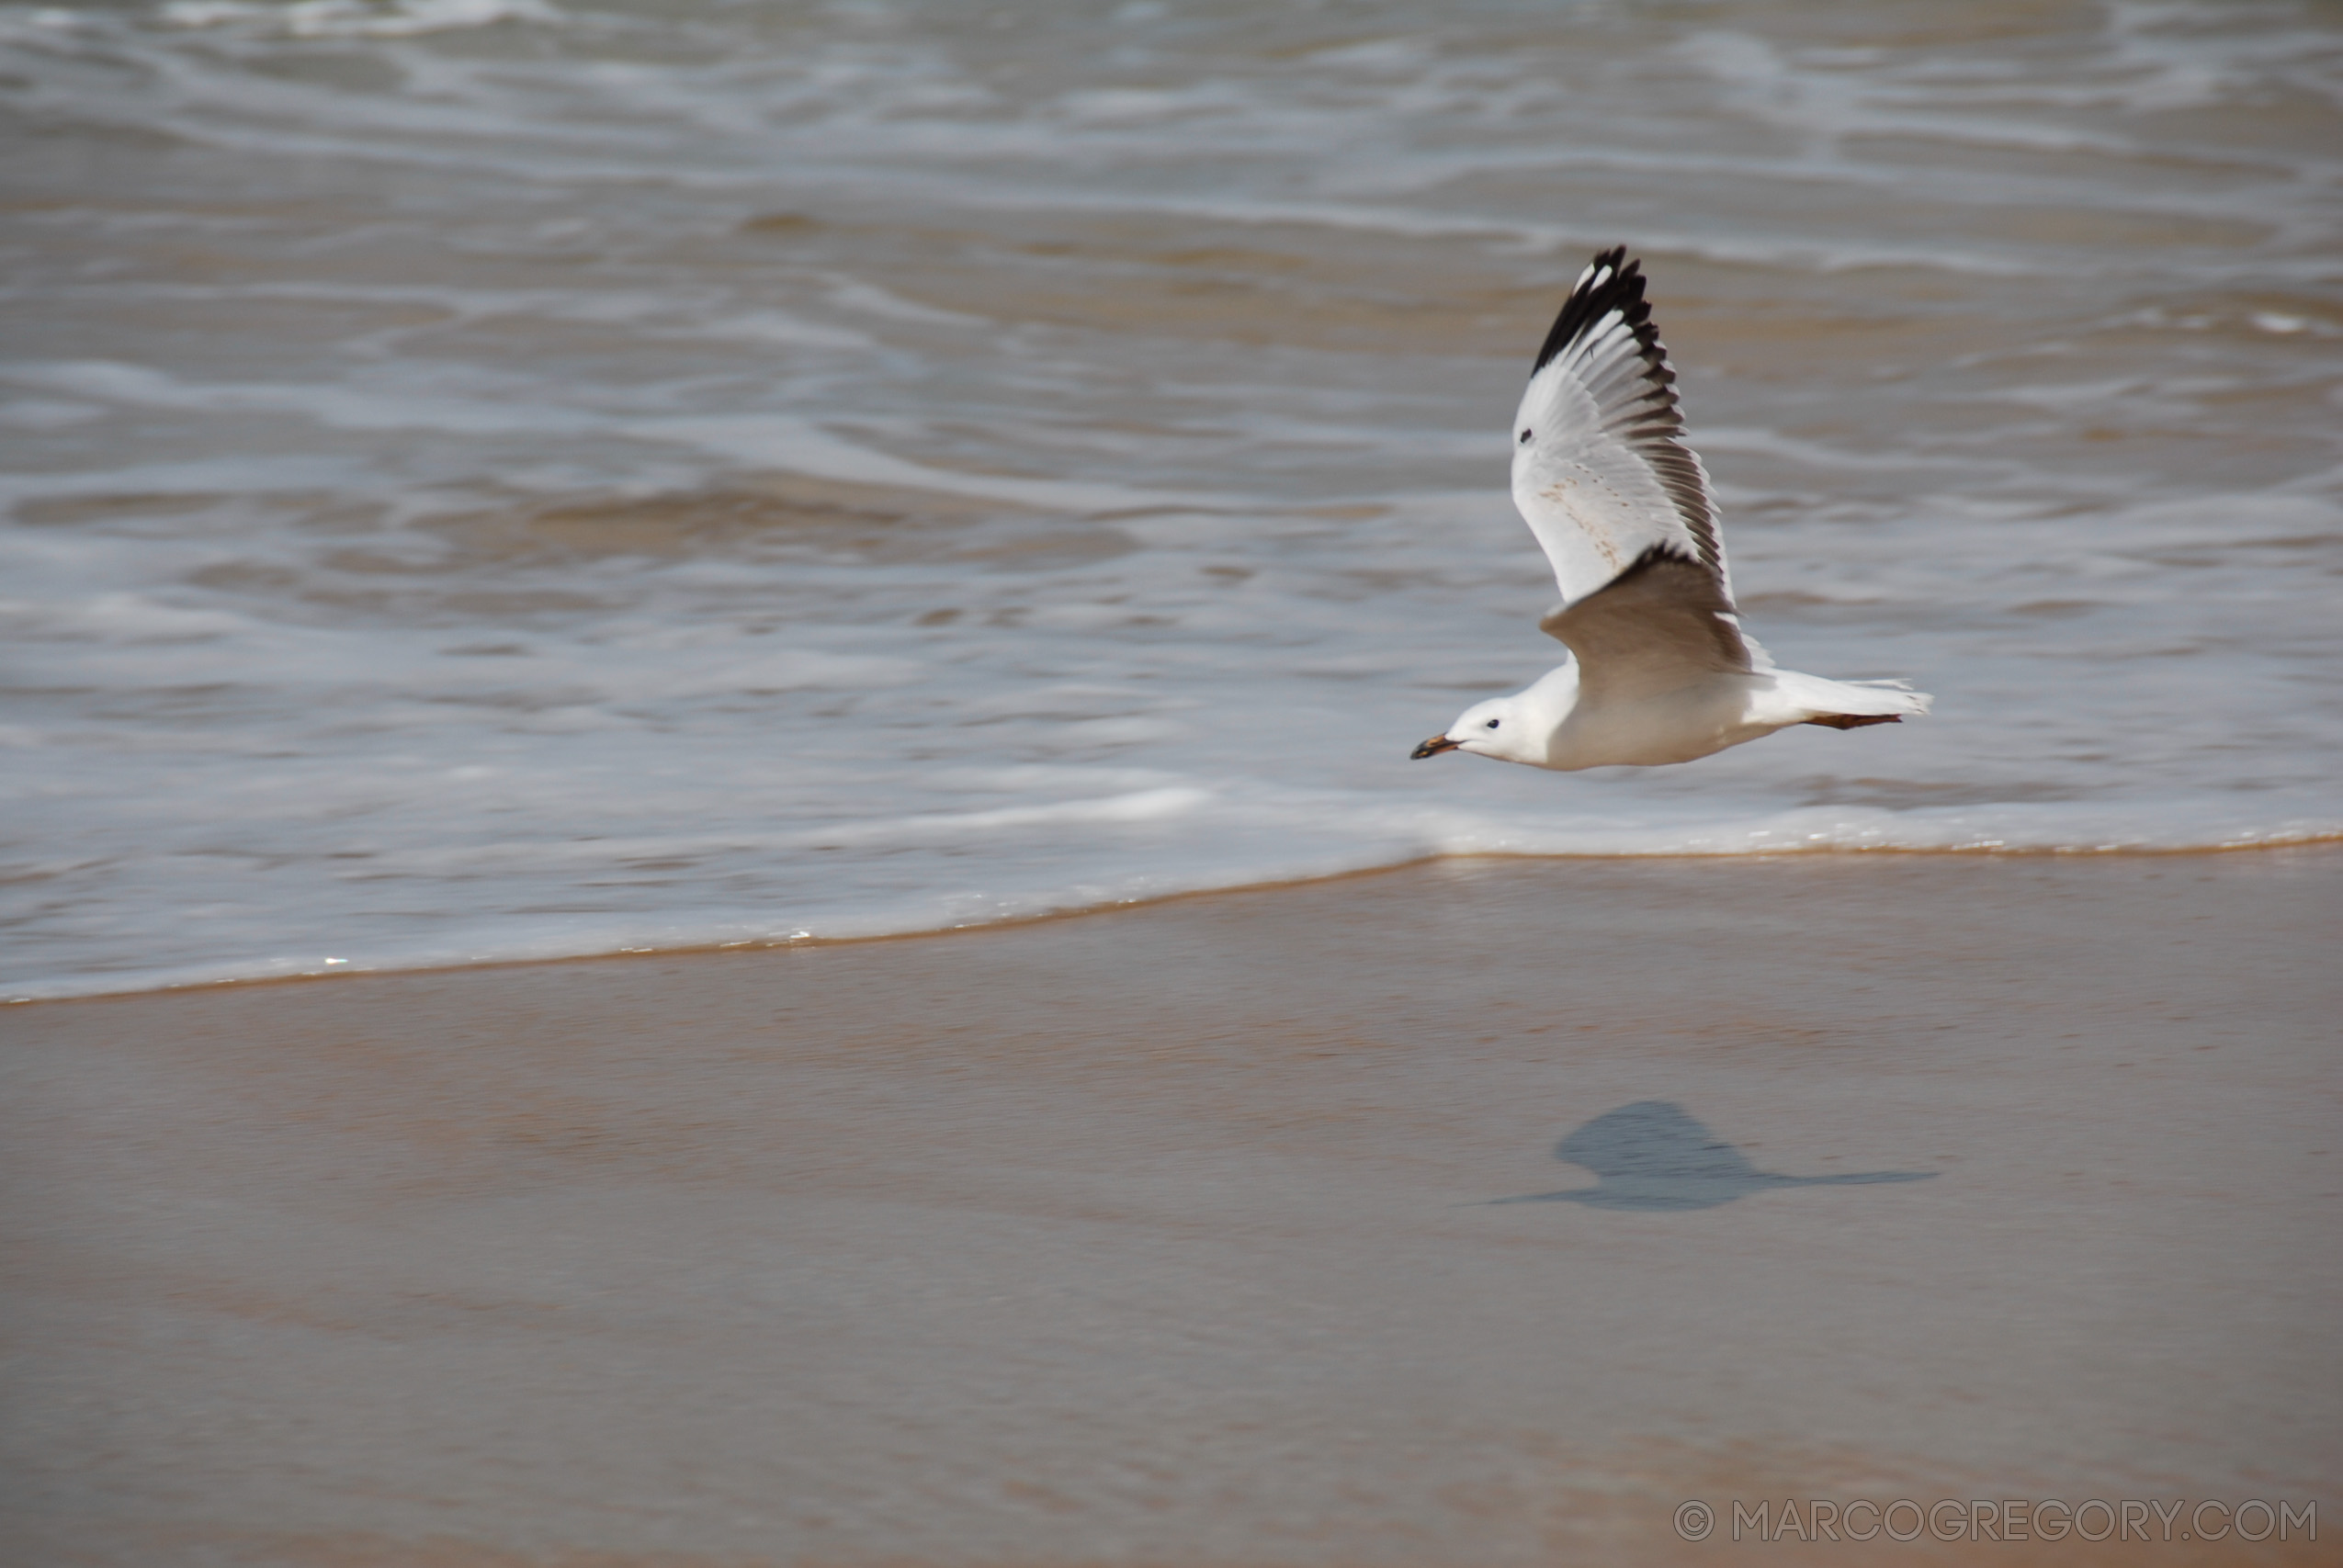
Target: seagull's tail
1810 699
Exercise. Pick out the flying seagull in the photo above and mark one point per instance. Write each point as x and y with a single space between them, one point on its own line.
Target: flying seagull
1660 671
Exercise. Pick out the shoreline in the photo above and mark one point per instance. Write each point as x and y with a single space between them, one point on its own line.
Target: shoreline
1473 1212
2320 844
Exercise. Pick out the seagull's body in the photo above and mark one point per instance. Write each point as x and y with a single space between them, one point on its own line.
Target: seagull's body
1660 671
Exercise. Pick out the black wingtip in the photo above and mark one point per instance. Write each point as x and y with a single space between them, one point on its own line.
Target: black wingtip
1610 282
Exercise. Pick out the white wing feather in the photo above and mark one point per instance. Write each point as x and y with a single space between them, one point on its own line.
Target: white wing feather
1601 472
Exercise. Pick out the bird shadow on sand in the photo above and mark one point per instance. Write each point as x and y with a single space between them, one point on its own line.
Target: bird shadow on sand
1655 1155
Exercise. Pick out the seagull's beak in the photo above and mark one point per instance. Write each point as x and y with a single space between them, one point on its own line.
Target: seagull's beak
1433 747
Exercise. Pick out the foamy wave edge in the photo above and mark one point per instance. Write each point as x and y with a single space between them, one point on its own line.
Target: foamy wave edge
946 914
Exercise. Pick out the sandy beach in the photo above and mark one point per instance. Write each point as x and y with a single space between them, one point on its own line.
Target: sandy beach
1230 1230
585 584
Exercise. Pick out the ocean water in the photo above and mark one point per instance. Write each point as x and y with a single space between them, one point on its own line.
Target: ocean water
495 479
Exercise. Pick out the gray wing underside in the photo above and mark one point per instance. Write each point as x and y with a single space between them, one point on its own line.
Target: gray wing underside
1661 624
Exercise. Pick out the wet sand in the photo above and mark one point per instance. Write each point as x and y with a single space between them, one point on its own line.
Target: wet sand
1182 1235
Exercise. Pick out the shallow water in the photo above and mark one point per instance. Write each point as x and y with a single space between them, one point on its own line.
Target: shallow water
492 477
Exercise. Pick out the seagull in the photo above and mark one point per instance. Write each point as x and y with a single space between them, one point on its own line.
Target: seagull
1660 671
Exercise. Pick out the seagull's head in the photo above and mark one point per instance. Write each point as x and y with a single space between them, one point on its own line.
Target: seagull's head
1499 728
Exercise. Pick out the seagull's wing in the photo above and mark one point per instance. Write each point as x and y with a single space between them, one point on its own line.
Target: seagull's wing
1661 624
1607 485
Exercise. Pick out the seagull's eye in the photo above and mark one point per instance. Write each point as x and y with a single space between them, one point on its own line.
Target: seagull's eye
1525 438
1492 723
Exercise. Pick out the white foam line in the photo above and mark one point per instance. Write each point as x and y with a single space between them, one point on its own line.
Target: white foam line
348 19
1536 238
1133 806
797 445
217 477
657 314
1790 833
340 408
